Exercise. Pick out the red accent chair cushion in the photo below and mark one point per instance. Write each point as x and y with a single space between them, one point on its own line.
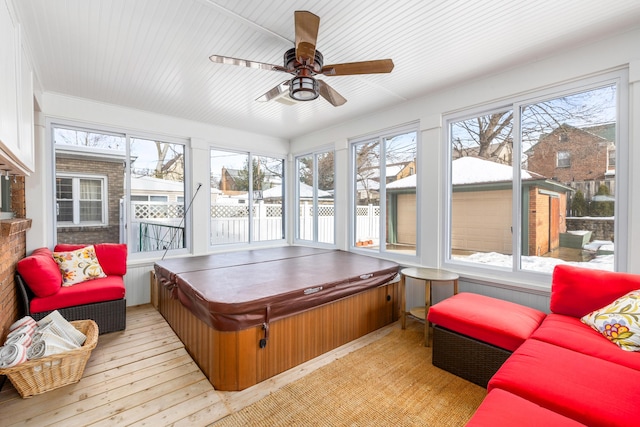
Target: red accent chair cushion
501 323
40 272
92 291
576 291
501 408
587 389
111 256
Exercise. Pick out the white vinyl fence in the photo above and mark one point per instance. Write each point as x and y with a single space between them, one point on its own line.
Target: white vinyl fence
158 225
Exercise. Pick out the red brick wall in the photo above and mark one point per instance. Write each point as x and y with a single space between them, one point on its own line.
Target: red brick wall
12 249
114 171
588 156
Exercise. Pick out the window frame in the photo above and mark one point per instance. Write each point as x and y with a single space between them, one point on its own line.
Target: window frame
314 241
75 200
563 161
611 160
250 201
515 276
128 135
381 136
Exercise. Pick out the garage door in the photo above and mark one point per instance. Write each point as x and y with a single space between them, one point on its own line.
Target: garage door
481 221
407 219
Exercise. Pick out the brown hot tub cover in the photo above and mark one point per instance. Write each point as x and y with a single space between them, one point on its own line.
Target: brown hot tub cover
238 290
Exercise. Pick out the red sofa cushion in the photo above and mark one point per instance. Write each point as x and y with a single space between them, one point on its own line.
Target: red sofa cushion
587 389
501 408
576 291
494 321
40 272
571 333
92 291
111 256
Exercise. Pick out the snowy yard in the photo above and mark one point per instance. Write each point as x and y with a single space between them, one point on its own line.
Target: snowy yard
545 264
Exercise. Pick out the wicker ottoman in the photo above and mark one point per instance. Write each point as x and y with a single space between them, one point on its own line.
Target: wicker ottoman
474 334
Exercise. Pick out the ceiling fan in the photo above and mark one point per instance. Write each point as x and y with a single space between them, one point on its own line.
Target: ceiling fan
304 62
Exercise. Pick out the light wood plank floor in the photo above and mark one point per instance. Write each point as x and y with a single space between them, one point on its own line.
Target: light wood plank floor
144 377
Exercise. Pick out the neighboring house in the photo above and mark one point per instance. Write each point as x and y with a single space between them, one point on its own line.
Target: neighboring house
89 189
367 190
149 189
407 170
582 158
233 181
229 180
481 208
368 183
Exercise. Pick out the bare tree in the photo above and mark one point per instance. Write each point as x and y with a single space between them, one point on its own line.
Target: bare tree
88 139
486 136
325 171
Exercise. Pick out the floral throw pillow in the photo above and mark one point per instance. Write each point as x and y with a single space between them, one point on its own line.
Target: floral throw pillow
79 265
619 321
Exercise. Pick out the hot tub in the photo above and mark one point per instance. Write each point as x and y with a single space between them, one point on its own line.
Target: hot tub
246 316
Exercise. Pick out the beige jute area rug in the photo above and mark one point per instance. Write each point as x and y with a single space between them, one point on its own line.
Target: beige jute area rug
390 382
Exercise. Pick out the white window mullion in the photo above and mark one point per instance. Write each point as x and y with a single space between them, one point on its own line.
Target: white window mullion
252 225
382 191
314 200
516 204
75 190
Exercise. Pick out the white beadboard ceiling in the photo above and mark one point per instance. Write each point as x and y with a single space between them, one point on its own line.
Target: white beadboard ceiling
153 54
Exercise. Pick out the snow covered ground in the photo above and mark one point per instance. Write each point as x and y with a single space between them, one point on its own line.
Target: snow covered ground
544 264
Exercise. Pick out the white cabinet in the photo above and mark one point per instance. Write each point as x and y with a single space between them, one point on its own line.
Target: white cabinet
8 80
16 98
26 144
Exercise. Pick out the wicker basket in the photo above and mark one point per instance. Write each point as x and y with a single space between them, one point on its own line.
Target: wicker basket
47 373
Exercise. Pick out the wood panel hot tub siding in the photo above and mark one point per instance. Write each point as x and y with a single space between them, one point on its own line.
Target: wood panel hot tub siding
234 360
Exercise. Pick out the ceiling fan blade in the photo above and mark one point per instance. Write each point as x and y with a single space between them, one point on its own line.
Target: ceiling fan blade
246 63
274 93
364 67
307 25
330 94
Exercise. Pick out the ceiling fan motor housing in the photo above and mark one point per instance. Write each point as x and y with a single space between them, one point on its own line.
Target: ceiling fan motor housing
292 65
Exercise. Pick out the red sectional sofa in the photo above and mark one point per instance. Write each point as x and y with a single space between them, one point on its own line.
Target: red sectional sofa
566 373
39 282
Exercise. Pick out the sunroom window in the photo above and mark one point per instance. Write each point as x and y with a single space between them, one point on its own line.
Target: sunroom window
384 192
315 194
93 171
526 197
247 197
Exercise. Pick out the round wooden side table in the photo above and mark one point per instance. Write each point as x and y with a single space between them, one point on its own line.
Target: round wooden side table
429 276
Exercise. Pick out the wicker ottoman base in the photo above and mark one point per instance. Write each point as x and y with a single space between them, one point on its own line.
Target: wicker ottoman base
110 316
473 360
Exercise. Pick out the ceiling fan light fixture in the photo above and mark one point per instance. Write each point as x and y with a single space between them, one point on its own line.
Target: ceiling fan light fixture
303 88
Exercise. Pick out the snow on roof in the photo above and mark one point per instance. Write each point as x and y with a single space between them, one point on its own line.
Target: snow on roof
471 170
393 170
147 183
406 182
306 192
371 184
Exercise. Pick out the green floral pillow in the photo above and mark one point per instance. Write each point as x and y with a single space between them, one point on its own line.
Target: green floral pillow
619 321
79 265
